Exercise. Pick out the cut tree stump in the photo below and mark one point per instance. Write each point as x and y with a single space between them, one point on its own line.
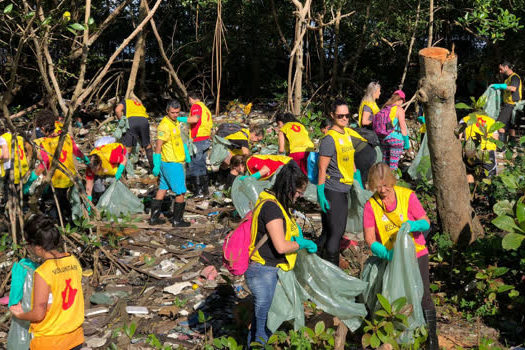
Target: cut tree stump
437 87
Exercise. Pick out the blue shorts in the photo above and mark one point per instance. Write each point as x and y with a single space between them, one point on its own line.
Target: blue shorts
172 177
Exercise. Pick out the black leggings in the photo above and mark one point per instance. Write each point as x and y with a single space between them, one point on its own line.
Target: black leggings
334 222
364 159
426 302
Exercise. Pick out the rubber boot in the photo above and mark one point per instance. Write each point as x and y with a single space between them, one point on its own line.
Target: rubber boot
156 210
149 155
203 180
197 186
432 340
178 215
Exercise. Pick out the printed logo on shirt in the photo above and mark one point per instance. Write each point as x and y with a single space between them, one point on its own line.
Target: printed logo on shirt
68 295
341 142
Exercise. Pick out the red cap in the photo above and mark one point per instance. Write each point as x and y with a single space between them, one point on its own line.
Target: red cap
400 93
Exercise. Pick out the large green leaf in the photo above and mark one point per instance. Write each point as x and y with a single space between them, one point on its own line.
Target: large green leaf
520 212
495 127
509 180
461 105
503 207
506 223
384 303
76 26
512 241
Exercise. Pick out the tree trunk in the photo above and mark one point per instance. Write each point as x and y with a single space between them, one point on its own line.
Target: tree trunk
410 47
430 23
437 87
139 52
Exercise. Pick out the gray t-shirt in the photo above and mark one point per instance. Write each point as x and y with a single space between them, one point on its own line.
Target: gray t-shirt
327 149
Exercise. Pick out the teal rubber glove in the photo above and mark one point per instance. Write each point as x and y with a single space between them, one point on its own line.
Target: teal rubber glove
304 243
243 177
499 86
357 177
84 160
120 170
182 119
89 206
421 119
300 231
18 278
257 175
321 198
156 164
27 185
406 142
380 251
418 225
187 156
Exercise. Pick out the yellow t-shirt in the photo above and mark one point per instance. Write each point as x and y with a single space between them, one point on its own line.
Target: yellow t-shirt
65 309
297 137
173 147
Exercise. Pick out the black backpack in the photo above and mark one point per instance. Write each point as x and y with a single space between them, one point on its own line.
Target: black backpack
227 129
369 135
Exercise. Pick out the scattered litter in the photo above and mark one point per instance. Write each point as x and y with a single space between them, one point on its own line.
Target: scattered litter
209 272
96 311
176 288
137 310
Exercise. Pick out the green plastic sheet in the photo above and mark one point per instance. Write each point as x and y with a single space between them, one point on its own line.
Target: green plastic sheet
357 198
395 279
219 150
421 166
122 127
318 280
19 337
493 102
119 200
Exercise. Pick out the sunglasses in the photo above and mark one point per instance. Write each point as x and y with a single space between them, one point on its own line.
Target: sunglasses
341 116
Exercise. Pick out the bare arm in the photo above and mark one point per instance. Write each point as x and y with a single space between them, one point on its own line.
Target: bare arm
264 171
511 88
282 141
119 110
40 297
89 186
323 165
158 148
276 233
367 118
402 121
370 235
245 151
5 152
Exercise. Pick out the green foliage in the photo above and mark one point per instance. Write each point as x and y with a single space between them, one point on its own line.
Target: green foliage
305 338
312 120
226 343
155 342
180 303
490 19
129 331
389 323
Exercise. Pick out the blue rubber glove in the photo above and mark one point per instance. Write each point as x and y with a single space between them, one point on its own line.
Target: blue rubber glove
187 156
300 231
304 243
418 225
421 119
257 175
321 198
406 142
357 177
89 206
182 119
380 251
156 164
27 185
499 86
120 170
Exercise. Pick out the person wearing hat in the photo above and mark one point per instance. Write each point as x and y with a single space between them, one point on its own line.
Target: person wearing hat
397 141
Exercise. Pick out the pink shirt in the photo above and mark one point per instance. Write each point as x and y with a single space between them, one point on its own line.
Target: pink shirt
415 212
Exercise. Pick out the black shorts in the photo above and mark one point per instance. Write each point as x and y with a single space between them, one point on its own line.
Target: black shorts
138 132
505 116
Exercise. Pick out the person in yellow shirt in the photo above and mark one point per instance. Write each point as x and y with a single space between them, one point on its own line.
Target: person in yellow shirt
105 160
201 123
57 311
20 166
60 181
168 159
368 107
294 139
478 132
242 140
138 130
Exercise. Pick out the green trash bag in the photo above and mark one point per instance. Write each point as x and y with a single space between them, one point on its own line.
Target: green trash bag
119 200
493 102
245 193
122 127
318 280
421 166
379 156
219 150
76 203
395 279
357 198
270 149
518 107
19 336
